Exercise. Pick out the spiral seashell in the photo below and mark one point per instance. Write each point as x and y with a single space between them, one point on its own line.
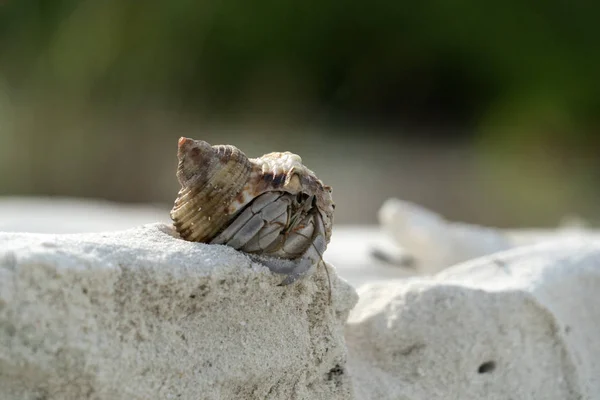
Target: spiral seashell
270 205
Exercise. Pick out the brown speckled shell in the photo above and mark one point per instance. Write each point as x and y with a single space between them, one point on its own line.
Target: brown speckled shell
219 181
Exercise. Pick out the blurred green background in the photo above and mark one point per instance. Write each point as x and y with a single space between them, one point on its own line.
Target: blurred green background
484 111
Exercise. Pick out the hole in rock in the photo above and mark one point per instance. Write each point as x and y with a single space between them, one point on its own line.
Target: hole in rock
334 372
486 367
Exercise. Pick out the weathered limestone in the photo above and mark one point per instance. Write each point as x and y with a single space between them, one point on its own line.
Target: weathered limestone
139 314
522 324
435 242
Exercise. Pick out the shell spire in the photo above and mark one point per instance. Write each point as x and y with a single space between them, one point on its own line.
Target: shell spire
210 177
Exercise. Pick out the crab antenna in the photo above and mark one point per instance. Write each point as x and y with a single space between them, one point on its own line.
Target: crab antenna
326 271
328 279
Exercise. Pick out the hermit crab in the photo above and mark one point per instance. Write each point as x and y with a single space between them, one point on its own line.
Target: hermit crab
268 206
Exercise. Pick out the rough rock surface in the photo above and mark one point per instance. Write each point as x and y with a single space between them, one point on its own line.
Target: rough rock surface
139 314
436 243
522 324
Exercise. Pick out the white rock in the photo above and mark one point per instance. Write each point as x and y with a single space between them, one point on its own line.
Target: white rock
434 242
521 324
139 314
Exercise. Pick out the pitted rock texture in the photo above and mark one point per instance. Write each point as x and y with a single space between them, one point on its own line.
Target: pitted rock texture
521 324
141 314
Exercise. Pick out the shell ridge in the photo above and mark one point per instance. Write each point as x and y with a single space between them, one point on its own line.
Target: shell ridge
197 212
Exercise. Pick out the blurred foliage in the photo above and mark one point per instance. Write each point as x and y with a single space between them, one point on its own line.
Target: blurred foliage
519 79
467 61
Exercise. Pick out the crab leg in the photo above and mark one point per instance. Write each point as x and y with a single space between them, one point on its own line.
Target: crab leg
300 237
256 223
311 256
255 208
269 235
271 225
